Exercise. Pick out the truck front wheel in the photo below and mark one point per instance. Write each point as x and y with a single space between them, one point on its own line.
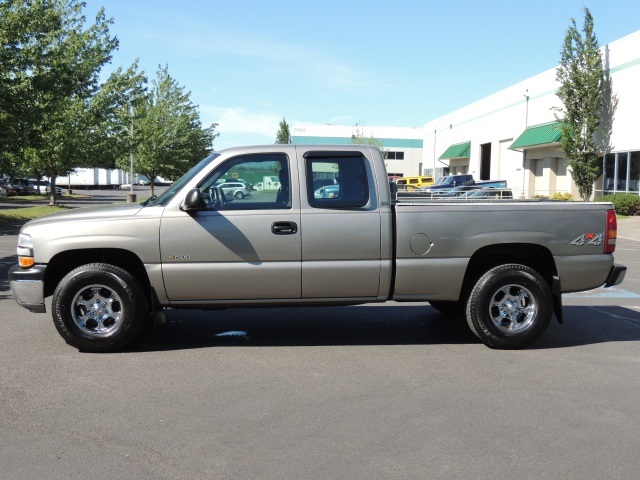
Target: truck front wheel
99 308
510 307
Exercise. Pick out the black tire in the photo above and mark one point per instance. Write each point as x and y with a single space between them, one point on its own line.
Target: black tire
510 307
239 195
449 308
99 308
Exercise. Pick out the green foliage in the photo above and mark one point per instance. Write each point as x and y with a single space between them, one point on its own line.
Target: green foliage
284 135
54 113
358 138
22 214
562 196
624 203
168 137
582 92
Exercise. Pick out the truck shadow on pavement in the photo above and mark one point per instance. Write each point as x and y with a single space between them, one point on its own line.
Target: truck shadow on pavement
368 325
5 264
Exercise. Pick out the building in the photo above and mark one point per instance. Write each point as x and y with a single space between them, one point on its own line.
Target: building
402 145
511 135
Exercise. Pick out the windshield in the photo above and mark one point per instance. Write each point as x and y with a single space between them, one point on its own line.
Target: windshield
181 182
446 181
441 180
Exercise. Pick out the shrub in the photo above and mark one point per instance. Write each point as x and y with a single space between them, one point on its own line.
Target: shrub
562 196
624 203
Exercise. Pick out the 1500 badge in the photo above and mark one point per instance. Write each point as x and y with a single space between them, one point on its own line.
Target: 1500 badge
589 239
178 257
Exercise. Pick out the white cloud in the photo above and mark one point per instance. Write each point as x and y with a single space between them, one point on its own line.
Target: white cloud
239 126
289 59
241 120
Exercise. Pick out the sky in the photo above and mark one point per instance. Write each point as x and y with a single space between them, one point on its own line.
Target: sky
249 64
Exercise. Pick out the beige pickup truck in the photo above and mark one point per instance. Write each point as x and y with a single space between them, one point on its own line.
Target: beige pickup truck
327 232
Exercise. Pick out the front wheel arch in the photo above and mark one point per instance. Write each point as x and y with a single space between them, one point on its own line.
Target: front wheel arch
62 263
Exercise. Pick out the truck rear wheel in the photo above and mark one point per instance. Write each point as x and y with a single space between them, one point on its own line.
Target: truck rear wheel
510 307
99 308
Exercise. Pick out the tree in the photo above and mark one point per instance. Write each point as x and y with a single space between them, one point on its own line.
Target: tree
358 137
582 92
283 135
167 132
54 113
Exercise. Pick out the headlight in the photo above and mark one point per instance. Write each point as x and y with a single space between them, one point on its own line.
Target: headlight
24 240
25 251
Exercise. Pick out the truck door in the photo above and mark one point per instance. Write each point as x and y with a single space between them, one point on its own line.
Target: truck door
241 247
341 248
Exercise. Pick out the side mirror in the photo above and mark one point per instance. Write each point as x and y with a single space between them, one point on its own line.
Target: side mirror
193 201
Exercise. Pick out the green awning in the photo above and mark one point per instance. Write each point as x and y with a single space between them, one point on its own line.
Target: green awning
457 150
537 136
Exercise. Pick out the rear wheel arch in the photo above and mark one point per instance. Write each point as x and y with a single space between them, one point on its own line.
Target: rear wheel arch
534 256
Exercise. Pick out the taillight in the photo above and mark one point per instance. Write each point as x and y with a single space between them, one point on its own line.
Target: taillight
611 232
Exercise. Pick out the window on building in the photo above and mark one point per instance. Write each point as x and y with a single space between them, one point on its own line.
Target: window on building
621 172
442 172
395 155
634 172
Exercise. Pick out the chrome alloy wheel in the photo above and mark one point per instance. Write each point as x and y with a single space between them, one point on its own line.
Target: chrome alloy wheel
513 309
97 310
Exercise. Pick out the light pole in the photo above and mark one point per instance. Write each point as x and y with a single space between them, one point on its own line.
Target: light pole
131 197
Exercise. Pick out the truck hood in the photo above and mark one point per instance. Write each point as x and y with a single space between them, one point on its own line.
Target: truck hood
88 213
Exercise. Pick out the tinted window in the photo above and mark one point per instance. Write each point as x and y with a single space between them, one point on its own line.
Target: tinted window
351 187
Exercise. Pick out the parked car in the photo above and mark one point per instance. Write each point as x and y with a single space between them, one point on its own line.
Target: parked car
3 193
47 190
330 191
417 182
247 185
236 189
322 182
444 184
45 187
9 188
490 193
406 188
25 186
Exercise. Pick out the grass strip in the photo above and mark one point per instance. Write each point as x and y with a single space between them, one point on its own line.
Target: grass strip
10 215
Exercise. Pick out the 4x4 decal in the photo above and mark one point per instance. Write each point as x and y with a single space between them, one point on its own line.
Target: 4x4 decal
589 239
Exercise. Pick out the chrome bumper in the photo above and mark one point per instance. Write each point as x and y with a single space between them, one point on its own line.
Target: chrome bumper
27 286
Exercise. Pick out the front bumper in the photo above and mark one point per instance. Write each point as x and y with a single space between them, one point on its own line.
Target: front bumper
27 286
616 275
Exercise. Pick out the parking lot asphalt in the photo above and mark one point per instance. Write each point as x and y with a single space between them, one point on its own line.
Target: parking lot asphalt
373 391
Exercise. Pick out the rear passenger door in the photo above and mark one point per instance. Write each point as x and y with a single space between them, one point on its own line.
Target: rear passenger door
341 247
